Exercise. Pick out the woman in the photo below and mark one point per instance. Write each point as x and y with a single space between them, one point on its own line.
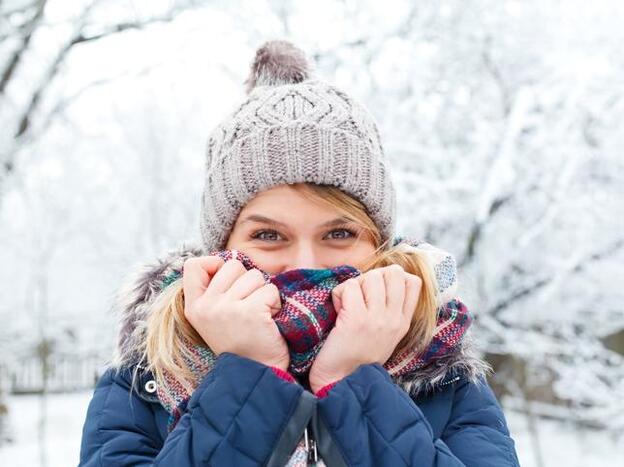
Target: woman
279 343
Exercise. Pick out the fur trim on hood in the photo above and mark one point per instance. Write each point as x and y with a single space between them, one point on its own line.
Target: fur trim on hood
134 299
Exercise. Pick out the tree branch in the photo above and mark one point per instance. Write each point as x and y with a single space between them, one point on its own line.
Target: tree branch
31 26
502 305
24 121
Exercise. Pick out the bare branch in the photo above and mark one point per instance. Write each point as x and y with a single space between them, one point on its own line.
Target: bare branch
121 27
24 121
581 264
79 38
19 53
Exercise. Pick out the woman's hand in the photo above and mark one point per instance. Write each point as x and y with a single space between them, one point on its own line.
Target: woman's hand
374 310
232 309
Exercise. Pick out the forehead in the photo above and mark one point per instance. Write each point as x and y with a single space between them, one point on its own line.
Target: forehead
284 199
276 193
285 206
257 218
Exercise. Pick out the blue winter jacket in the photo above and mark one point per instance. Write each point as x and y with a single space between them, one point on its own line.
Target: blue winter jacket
243 414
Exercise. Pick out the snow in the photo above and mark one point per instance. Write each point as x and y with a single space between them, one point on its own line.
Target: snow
65 417
501 120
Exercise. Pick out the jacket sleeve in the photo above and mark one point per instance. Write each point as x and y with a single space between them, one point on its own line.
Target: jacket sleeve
241 414
373 422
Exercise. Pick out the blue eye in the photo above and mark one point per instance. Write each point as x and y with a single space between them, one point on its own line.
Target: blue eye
349 232
257 235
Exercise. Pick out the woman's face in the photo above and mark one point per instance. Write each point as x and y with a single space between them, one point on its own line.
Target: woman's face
280 229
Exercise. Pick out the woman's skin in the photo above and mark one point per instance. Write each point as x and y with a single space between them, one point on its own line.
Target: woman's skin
303 241
232 308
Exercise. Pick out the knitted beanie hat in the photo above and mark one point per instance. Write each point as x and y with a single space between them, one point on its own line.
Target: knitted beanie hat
292 128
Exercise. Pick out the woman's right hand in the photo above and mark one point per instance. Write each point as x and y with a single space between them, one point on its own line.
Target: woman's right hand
232 309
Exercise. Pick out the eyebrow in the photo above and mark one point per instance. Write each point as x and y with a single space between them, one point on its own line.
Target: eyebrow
266 220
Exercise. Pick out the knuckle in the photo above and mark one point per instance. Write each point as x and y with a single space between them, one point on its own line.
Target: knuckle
396 268
373 275
414 280
271 288
256 274
188 263
236 262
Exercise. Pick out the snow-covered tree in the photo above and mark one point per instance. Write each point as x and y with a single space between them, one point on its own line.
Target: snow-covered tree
500 119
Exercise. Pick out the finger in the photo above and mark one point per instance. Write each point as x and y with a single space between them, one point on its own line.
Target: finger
225 277
244 285
336 300
351 296
374 290
394 279
413 285
266 297
337 292
197 273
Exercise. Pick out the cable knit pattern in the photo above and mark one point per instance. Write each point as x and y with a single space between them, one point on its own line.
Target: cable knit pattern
302 131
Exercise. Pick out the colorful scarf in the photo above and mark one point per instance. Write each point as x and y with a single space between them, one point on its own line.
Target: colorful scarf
305 319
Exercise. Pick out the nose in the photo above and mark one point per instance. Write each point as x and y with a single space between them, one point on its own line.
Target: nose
304 256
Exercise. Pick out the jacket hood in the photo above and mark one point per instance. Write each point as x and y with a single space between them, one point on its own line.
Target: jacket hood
139 290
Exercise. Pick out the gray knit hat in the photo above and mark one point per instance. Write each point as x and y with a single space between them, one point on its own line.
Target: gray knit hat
292 128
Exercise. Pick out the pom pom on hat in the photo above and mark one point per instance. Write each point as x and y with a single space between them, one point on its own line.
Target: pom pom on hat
277 62
292 128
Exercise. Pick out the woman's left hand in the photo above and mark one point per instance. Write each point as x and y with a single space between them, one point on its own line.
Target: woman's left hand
374 310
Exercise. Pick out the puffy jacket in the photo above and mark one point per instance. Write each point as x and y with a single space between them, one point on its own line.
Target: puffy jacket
246 414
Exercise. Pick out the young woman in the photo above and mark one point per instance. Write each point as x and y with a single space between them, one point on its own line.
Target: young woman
302 332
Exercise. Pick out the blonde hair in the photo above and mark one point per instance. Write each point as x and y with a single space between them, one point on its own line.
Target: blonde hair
167 328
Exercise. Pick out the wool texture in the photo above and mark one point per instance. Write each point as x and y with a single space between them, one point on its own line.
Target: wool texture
135 299
293 128
306 318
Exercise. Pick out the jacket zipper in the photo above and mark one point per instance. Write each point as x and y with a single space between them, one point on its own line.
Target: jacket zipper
310 445
450 381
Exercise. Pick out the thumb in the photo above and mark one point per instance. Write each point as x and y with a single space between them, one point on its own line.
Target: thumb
197 274
336 297
270 298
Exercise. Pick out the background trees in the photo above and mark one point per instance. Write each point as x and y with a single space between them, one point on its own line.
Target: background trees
501 119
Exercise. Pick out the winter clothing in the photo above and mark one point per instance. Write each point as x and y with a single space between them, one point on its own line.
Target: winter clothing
431 409
306 318
292 128
246 413
307 315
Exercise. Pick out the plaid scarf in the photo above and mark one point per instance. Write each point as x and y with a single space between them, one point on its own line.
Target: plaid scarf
306 318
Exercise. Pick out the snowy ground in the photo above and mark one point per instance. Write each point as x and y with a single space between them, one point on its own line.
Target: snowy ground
562 445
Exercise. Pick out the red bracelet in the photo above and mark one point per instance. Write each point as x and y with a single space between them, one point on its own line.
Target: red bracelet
324 391
283 374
